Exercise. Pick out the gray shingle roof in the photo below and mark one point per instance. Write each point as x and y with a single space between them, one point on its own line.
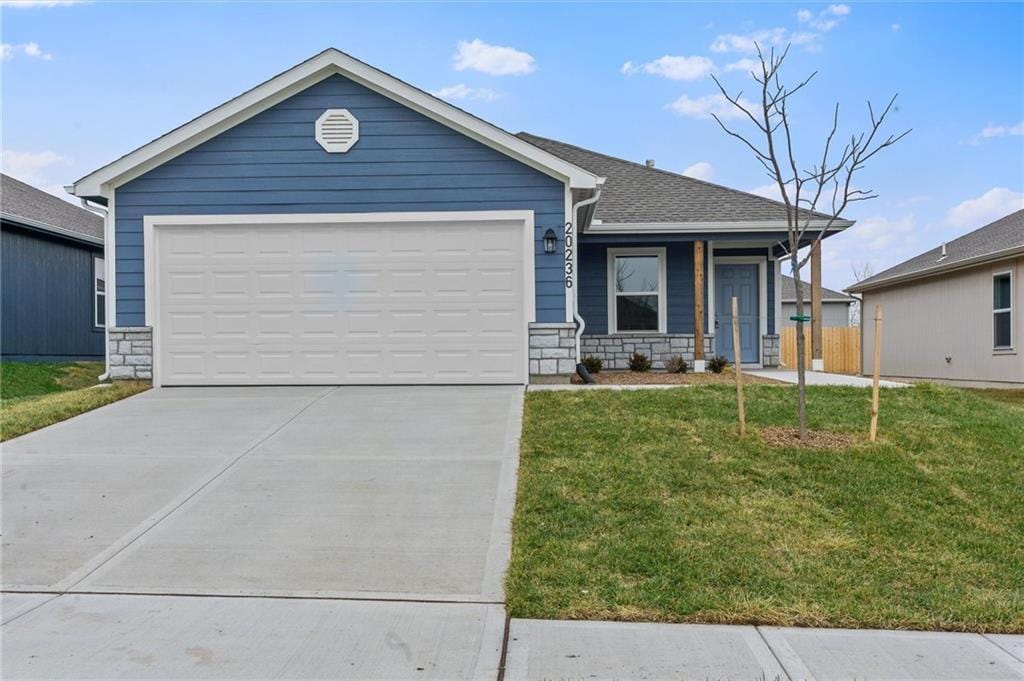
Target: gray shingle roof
1005 234
20 200
635 193
827 294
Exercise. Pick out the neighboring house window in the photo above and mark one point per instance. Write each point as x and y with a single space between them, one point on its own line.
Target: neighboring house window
1002 310
636 299
99 290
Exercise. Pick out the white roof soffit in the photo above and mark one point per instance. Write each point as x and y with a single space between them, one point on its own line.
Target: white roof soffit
279 88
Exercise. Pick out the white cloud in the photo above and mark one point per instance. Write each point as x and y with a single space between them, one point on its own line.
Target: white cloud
993 204
734 42
826 19
27 4
703 107
27 166
463 91
495 60
672 67
822 22
9 51
701 171
878 241
896 28
991 130
744 64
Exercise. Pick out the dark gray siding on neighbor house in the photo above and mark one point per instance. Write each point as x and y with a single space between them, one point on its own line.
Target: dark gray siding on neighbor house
271 163
593 286
47 298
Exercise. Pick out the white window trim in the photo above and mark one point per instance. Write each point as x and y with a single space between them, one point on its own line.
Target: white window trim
98 267
662 292
762 293
995 311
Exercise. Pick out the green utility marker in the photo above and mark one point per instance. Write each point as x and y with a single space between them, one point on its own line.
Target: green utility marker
800 318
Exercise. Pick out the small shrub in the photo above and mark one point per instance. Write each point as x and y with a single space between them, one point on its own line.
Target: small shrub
676 365
717 364
593 364
638 361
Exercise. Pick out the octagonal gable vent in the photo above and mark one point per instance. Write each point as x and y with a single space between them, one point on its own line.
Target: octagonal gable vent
337 130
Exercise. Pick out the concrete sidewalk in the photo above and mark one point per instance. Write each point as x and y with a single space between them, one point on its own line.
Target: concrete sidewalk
539 649
822 378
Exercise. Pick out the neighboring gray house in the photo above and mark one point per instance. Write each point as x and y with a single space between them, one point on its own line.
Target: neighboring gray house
953 314
835 306
51 277
337 225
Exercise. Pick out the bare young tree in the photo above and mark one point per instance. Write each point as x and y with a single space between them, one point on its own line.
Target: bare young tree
825 186
860 272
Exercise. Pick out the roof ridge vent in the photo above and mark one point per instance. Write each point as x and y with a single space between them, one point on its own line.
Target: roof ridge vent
649 163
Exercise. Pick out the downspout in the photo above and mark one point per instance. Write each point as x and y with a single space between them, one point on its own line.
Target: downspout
103 213
580 323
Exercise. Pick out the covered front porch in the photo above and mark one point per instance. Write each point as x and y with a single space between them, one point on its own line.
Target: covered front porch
671 294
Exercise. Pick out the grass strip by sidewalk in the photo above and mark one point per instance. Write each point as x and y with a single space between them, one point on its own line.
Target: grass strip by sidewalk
646 505
34 395
21 416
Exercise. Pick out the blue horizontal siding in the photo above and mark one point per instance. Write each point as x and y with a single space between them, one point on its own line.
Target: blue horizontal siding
271 163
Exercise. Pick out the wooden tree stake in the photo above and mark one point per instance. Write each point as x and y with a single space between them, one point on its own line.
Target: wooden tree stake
875 372
738 356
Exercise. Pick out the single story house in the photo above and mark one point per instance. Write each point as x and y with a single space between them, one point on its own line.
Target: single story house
835 305
337 225
51 279
952 314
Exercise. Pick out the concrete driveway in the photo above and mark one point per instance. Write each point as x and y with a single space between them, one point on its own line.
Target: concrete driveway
262 532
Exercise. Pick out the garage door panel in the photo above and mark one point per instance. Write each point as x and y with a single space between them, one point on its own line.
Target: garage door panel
352 303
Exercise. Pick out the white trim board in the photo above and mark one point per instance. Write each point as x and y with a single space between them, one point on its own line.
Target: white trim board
762 293
153 222
701 227
330 62
655 251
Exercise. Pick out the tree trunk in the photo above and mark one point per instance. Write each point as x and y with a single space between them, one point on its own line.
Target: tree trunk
801 384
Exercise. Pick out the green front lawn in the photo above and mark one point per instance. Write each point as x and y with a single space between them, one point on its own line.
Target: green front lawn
646 505
35 395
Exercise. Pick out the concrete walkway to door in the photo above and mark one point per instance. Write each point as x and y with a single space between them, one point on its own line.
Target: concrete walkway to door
353 532
821 378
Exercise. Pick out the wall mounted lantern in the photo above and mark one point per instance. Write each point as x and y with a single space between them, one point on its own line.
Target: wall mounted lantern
550 240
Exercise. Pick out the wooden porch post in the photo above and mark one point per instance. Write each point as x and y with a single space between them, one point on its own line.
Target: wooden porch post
817 358
698 306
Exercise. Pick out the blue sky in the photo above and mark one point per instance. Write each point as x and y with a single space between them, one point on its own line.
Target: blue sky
85 82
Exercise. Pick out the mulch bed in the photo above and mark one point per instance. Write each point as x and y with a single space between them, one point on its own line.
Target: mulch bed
662 378
780 436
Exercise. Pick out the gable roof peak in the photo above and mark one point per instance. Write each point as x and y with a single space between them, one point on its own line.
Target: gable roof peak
326 63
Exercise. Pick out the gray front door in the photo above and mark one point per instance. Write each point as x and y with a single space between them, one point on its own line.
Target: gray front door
740 281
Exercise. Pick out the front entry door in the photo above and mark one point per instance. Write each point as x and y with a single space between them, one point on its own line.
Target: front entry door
739 281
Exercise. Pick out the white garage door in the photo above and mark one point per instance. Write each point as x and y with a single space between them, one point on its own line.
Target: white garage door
334 301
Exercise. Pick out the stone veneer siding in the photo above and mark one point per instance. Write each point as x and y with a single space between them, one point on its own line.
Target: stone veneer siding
131 352
552 349
770 350
614 350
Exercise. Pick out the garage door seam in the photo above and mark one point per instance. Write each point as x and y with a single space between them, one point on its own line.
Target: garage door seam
73 580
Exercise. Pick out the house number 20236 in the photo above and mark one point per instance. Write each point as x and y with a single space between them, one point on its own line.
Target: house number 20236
570 247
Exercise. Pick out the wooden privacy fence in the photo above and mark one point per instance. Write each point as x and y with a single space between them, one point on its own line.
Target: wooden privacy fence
840 347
